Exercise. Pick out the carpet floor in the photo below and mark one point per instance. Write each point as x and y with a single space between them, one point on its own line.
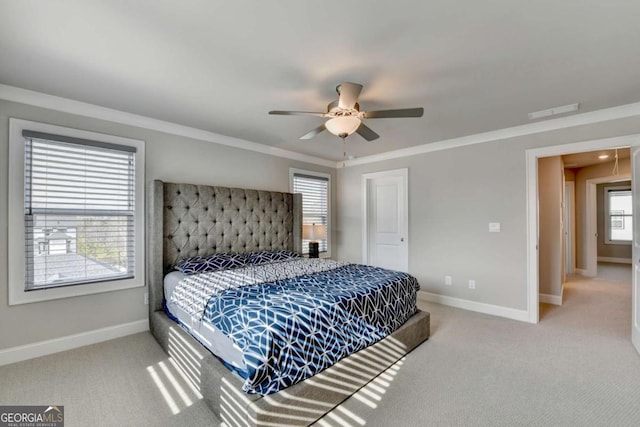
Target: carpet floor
577 367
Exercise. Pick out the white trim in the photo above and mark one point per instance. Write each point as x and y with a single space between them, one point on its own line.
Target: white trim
42 100
607 215
581 272
293 171
591 220
533 305
570 226
366 178
553 299
69 342
16 258
480 307
532 156
615 260
606 114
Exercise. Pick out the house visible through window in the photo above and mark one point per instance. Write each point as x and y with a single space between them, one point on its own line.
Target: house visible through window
78 212
79 208
315 188
619 215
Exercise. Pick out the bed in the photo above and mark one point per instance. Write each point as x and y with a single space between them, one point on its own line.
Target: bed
189 220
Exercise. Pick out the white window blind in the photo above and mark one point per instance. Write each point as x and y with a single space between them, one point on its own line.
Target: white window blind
79 211
315 204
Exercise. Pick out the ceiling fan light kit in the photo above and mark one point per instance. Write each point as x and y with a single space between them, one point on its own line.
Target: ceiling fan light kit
343 126
345 117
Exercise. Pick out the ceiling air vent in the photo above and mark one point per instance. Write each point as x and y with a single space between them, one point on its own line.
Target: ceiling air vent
554 111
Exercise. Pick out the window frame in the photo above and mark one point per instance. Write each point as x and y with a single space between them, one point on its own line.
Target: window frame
292 172
607 215
16 237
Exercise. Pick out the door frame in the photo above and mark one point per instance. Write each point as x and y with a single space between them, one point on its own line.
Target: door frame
532 155
366 214
591 220
569 222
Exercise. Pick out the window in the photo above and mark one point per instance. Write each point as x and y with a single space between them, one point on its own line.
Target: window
315 188
618 205
80 220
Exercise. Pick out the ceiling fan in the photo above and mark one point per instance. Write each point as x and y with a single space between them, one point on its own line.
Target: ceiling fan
345 116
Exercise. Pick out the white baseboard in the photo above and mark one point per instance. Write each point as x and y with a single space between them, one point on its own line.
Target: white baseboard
43 348
615 260
481 307
581 272
552 299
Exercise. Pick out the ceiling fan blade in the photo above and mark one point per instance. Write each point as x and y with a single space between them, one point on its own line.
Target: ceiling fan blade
349 93
366 132
313 133
403 112
296 113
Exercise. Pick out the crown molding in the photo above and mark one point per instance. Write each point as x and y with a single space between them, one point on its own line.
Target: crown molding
598 116
42 100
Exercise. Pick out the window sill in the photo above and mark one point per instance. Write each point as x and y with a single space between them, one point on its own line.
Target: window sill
19 296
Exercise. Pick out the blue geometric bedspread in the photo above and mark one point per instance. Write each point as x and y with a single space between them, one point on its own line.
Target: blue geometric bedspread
291 329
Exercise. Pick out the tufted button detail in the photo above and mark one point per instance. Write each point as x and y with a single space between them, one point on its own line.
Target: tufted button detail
187 207
178 192
206 209
169 237
179 221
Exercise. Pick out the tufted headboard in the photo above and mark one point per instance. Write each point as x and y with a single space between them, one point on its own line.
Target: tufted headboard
189 220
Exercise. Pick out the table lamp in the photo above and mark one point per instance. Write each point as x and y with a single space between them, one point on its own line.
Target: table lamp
312 233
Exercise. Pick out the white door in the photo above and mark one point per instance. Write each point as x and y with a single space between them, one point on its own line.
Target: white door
635 310
386 220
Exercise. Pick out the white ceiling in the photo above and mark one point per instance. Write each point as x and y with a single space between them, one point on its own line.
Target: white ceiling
220 66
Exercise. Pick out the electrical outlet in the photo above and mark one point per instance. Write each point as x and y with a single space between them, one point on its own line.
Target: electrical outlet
472 284
146 298
448 280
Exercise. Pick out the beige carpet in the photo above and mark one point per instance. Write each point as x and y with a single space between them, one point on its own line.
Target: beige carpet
576 368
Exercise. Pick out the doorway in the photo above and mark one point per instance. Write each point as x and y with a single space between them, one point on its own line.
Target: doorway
632 141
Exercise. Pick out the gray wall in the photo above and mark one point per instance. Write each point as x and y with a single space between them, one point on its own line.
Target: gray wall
609 250
550 192
169 158
453 195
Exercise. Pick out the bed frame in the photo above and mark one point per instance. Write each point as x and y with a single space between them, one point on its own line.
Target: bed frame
186 220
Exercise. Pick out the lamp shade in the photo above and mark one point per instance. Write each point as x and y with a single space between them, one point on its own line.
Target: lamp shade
314 232
343 125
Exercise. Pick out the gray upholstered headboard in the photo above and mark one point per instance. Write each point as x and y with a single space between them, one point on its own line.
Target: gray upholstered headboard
188 220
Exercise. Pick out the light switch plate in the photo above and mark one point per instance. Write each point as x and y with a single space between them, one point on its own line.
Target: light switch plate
494 227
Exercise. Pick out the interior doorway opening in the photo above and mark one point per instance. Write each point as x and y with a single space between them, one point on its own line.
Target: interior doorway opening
533 284
575 232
